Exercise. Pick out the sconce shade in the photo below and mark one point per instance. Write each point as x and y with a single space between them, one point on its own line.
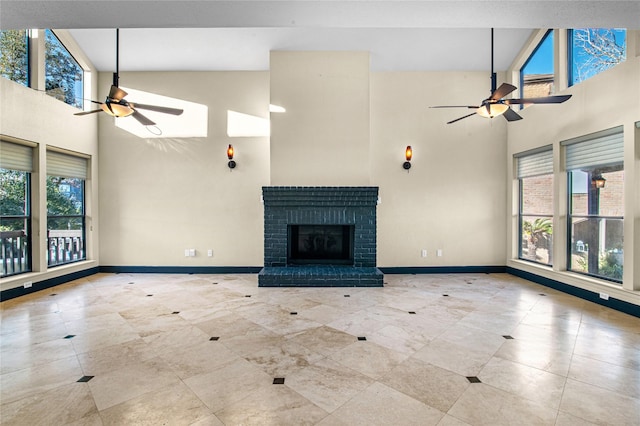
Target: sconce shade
408 153
494 110
230 152
598 181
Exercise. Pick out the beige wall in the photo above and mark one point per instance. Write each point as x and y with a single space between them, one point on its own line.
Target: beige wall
162 196
454 195
323 139
607 100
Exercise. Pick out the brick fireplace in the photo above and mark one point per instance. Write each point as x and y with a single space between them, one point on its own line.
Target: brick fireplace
320 237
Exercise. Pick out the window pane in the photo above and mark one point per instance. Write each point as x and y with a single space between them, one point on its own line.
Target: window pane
63 75
65 220
536 219
14 56
15 222
593 50
606 201
596 247
537 72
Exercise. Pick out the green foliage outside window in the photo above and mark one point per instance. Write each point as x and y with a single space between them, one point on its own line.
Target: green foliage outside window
63 75
14 56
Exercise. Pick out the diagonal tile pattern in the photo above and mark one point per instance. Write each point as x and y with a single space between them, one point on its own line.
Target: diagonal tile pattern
552 360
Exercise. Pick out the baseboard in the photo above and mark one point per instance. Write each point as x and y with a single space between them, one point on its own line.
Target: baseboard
181 269
51 282
443 269
591 296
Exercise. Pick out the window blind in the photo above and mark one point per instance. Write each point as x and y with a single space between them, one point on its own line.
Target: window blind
535 164
14 156
599 149
69 166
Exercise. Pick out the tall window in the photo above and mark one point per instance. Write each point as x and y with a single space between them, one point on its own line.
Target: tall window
535 218
14 55
15 208
536 76
593 50
66 177
63 75
596 204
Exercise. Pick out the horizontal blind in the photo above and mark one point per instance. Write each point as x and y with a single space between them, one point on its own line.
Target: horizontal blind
59 164
14 156
539 163
606 148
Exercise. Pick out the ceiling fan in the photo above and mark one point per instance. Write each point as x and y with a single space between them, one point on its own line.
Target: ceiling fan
495 105
117 106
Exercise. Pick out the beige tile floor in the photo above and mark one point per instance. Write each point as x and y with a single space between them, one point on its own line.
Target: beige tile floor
146 340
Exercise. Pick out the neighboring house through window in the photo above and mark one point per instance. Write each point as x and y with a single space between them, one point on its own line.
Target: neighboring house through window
537 74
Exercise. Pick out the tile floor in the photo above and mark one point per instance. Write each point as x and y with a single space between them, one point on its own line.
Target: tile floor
134 349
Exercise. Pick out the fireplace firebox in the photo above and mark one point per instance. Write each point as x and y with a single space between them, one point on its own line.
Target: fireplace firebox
320 244
320 237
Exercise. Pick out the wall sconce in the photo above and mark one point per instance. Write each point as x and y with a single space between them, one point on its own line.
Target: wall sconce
408 153
231 163
598 181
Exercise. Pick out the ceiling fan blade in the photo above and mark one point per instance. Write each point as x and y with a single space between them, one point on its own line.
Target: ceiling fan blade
458 119
546 100
142 119
88 112
511 115
455 106
502 91
165 110
117 93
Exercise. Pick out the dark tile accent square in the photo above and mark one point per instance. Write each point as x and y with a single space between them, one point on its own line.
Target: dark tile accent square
412 312
131 282
248 295
149 295
175 312
542 294
69 336
53 294
445 295
507 337
294 313
84 379
278 381
214 338
214 283
473 379
361 338
347 295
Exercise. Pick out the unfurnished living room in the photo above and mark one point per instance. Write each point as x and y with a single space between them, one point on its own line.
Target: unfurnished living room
320 212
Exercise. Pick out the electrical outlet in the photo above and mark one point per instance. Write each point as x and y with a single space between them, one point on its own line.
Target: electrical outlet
604 296
424 253
186 252
28 284
439 253
192 252
210 253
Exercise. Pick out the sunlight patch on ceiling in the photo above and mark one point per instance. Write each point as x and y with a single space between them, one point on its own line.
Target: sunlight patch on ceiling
241 125
192 123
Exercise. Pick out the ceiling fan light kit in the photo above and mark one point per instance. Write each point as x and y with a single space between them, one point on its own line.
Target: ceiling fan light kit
495 105
115 104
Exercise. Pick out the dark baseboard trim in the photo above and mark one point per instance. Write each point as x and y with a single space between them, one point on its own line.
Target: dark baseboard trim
443 269
617 304
41 285
181 269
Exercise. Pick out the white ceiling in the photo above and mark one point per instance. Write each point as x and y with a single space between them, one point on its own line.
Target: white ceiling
176 35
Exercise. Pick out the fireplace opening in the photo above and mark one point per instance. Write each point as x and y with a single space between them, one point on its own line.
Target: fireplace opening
320 244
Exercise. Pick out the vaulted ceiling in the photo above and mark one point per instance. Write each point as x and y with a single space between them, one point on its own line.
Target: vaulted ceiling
238 35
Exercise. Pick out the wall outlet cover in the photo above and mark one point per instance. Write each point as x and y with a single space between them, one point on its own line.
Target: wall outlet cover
604 296
28 284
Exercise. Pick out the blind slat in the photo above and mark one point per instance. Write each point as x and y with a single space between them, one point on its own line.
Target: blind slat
14 156
64 165
600 151
540 163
